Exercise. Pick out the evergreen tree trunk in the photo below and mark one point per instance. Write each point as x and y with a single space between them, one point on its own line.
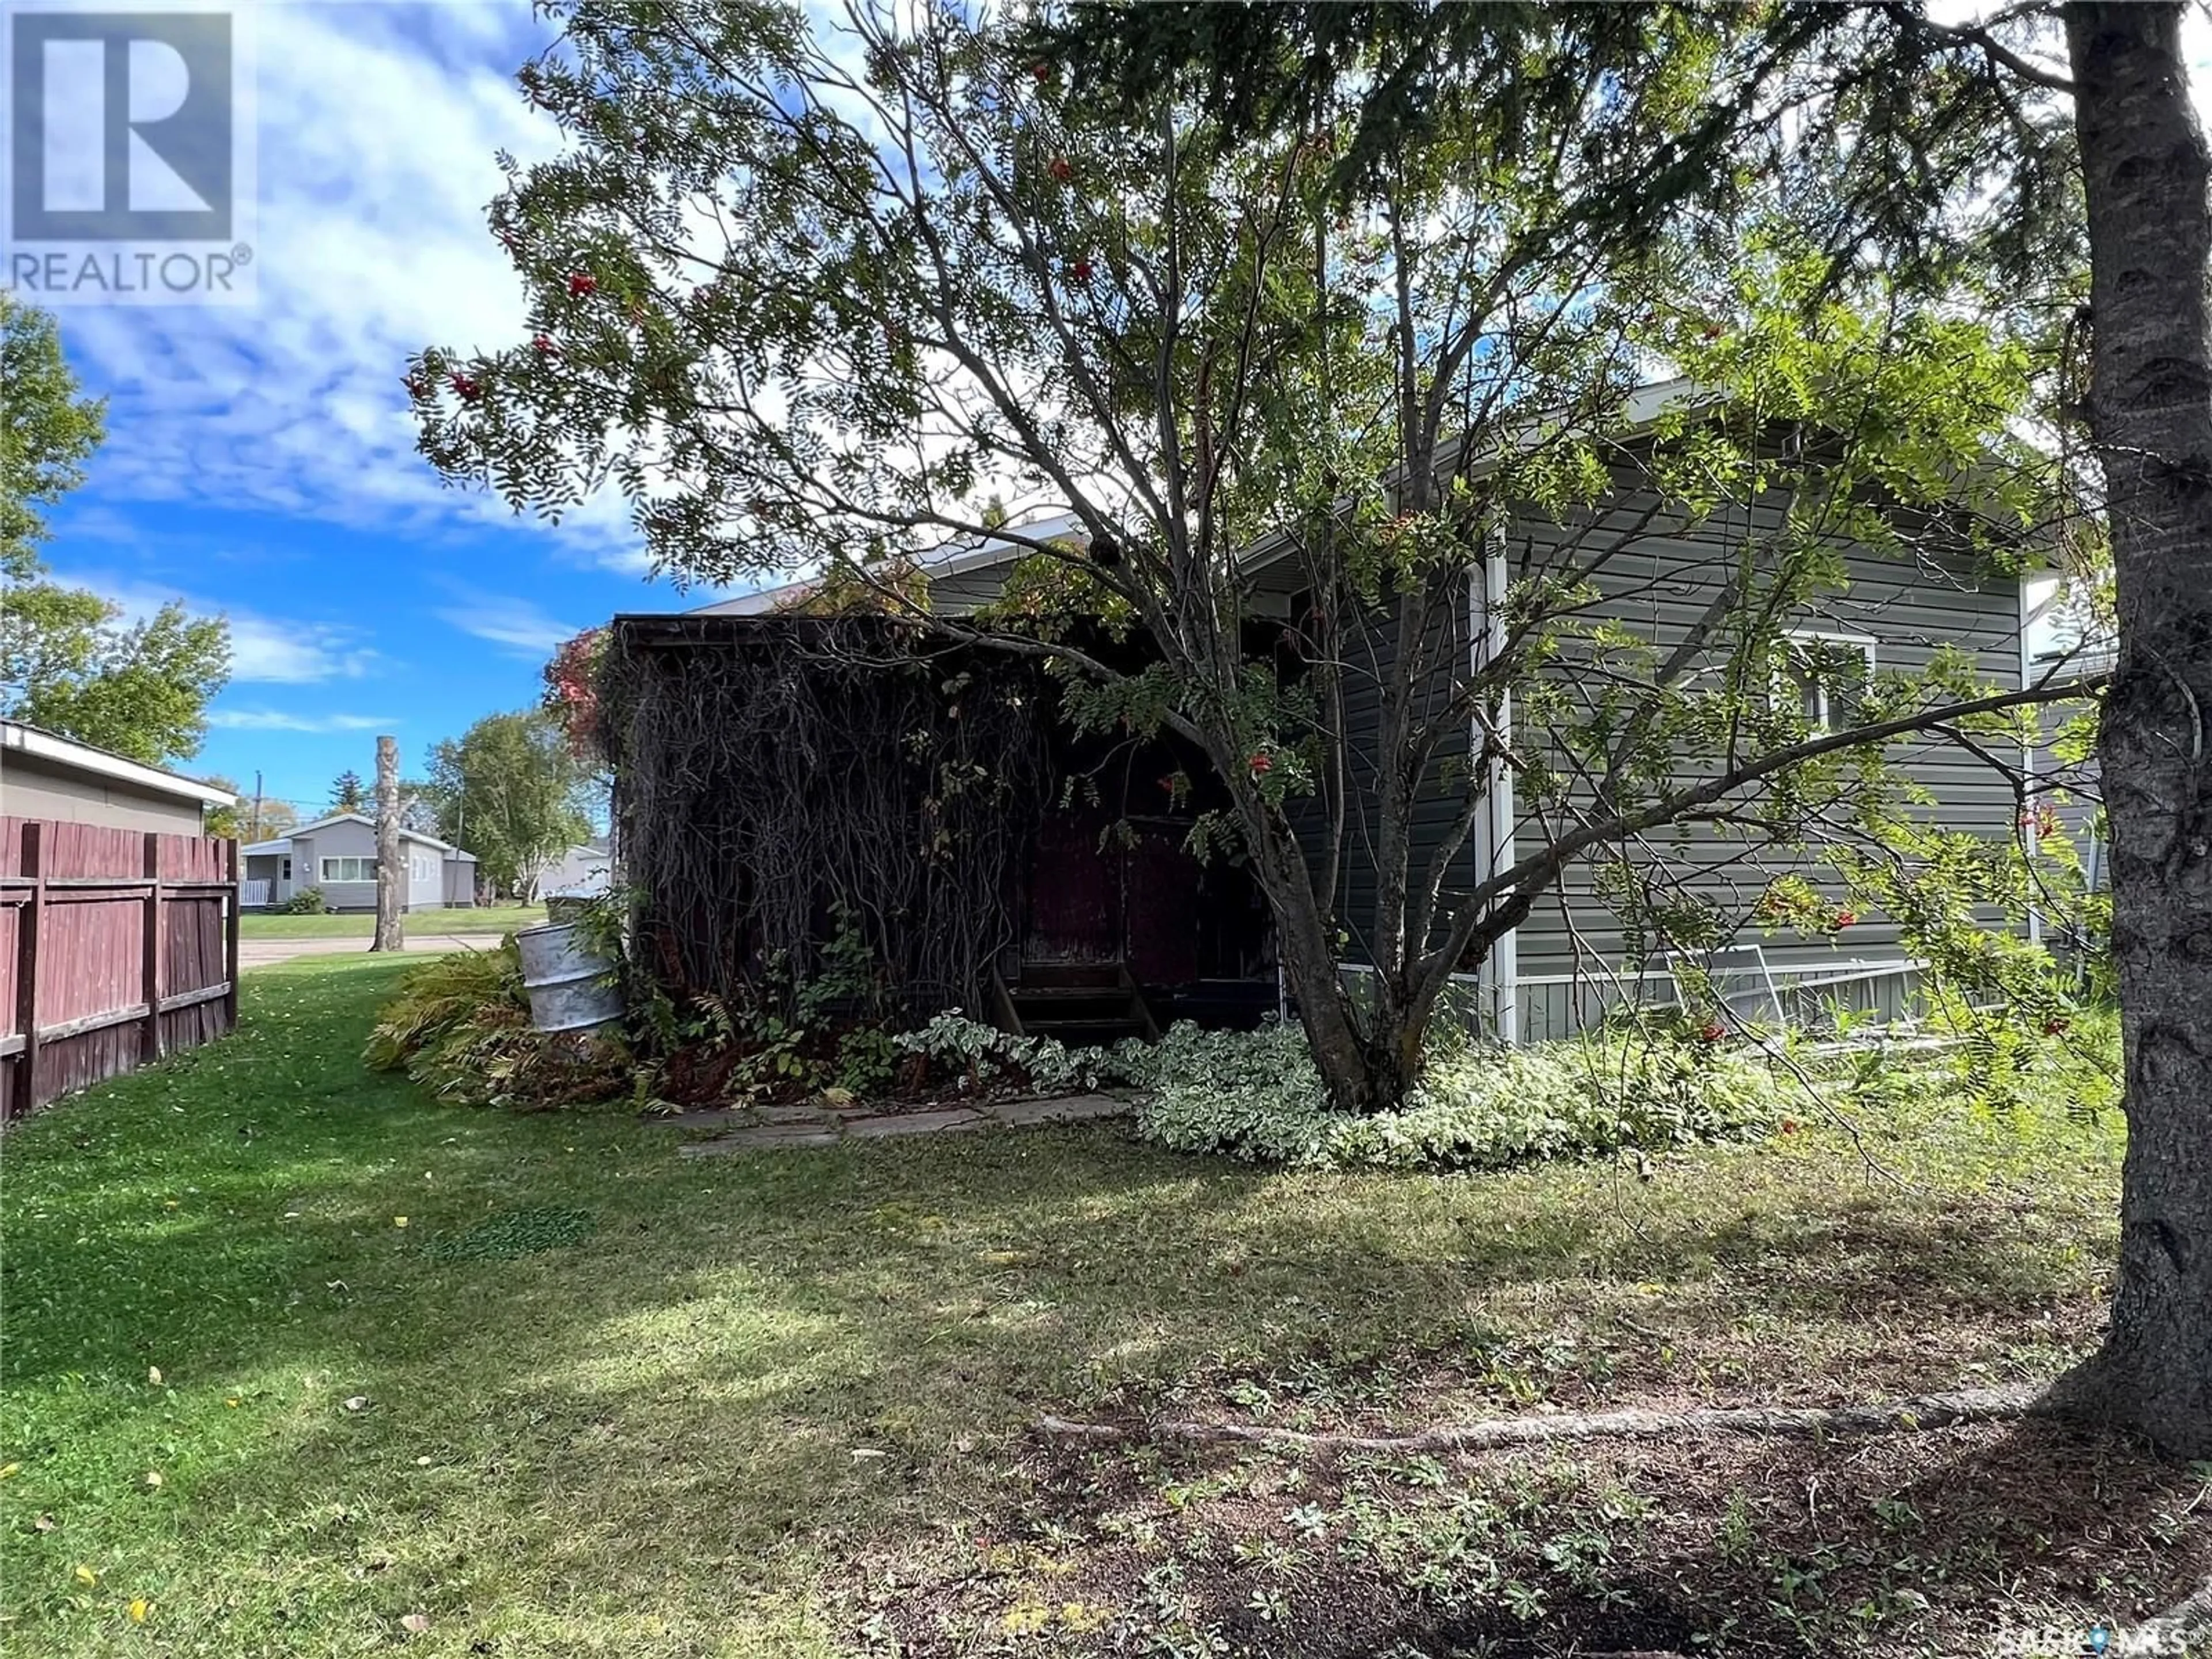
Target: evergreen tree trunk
391 871
2145 174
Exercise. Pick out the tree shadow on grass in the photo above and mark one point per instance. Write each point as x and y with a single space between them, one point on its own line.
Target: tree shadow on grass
746 1380
753 1372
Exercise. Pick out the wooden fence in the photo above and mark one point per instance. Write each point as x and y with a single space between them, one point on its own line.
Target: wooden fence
117 946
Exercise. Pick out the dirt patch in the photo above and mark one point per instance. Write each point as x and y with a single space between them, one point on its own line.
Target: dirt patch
2014 1538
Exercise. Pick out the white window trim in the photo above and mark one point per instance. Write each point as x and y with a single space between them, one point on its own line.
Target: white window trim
347 858
1493 833
1785 689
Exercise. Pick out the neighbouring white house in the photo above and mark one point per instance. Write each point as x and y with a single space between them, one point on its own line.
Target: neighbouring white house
584 870
339 855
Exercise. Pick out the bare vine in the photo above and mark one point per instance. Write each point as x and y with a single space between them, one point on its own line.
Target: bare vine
778 777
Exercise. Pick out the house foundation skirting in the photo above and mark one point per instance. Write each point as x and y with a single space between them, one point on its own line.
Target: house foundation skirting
1551 1006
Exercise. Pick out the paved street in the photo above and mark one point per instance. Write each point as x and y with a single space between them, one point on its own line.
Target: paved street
261 952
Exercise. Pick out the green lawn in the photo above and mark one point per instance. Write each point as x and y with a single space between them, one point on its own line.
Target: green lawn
485 919
784 1404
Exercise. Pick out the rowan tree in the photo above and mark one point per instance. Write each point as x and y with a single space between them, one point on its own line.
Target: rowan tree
826 295
2009 154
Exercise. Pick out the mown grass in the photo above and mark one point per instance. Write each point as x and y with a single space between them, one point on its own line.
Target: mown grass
625 1403
483 919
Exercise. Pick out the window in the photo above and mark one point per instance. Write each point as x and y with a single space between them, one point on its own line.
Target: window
1824 675
287 867
349 869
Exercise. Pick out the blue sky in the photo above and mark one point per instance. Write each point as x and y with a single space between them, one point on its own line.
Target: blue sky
259 460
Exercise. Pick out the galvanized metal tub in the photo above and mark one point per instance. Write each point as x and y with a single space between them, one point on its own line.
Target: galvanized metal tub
565 979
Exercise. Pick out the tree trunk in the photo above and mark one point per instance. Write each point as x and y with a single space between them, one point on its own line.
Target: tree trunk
1311 967
391 871
2145 174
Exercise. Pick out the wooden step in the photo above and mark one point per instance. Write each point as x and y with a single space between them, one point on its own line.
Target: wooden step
1043 975
1076 1002
1086 1033
1045 1007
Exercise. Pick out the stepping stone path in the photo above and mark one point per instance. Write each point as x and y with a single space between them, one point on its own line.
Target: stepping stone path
773 1128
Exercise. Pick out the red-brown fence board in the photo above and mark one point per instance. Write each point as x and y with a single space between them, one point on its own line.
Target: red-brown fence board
84 946
190 859
10 948
72 852
191 944
116 946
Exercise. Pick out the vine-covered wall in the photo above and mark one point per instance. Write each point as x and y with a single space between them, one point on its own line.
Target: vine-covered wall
778 778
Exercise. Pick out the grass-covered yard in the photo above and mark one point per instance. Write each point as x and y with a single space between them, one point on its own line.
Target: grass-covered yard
299 1363
482 919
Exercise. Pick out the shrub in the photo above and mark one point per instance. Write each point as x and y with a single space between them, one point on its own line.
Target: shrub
460 1027
977 1055
307 902
1255 1095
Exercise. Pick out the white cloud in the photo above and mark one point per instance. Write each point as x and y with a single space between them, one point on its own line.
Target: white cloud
379 127
517 624
273 720
264 650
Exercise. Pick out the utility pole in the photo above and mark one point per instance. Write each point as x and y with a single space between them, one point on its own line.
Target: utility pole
255 835
391 874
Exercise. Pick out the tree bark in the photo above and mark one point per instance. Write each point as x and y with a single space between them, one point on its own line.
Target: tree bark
2145 174
391 871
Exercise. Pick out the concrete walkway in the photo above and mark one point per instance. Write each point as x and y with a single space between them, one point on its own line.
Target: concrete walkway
261 952
768 1128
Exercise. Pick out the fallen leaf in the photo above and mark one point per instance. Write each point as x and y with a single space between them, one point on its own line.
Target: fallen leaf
140 1607
864 1454
154 1478
9 1472
399 1221
415 1623
233 1400
422 1462
358 1403
86 1575
44 1523
154 1376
